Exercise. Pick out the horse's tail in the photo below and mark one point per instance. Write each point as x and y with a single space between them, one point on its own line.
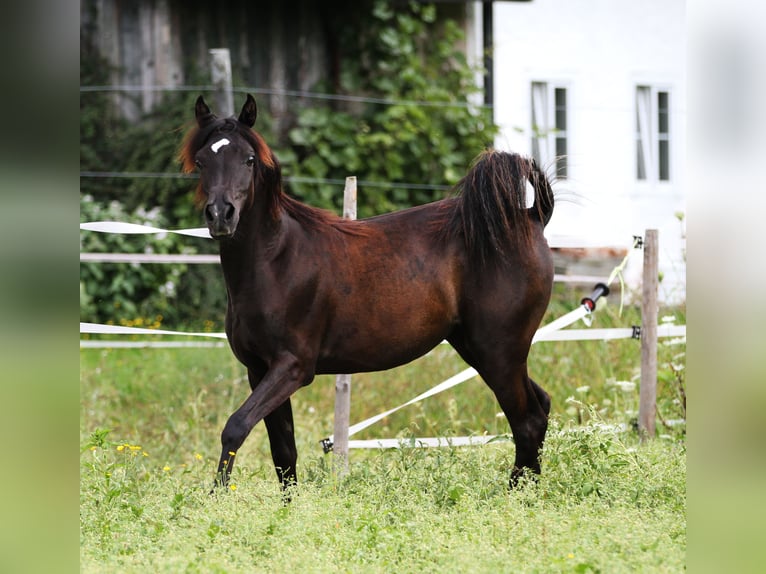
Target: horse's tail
492 212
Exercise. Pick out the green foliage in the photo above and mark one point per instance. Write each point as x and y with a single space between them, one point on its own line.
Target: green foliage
403 55
604 502
109 143
128 294
600 459
148 294
100 132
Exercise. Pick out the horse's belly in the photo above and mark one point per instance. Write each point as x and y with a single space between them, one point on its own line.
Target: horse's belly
385 335
377 356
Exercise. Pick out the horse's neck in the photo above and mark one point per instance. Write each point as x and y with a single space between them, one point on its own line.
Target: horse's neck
257 241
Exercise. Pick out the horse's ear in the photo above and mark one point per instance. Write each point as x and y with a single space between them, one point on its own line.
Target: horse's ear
249 112
202 112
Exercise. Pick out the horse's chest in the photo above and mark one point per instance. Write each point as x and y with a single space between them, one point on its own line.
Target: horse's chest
248 342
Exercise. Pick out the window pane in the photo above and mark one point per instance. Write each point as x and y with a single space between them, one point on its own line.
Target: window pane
662 112
663 136
664 153
561 97
536 150
643 131
561 158
540 127
561 108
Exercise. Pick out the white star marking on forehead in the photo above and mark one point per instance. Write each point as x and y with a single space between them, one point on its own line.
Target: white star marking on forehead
219 144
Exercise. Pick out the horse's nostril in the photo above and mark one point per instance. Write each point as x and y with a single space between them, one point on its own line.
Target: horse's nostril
220 212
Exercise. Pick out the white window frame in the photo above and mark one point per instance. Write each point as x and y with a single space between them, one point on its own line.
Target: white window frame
547 136
648 136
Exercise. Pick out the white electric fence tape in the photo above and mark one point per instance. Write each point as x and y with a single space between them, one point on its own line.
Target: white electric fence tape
99 344
549 332
428 441
478 440
134 228
555 241
563 321
547 335
463 376
569 335
95 328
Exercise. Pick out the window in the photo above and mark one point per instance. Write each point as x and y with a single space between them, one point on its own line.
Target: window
549 126
652 134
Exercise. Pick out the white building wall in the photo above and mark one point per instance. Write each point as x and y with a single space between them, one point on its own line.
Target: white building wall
600 50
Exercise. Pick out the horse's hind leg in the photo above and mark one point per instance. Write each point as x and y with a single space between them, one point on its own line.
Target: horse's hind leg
526 407
525 404
542 397
279 425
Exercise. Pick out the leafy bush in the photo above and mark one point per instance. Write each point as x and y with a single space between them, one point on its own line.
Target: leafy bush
124 293
409 57
404 55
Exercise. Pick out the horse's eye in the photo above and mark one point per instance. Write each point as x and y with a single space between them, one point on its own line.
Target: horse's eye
198 164
250 161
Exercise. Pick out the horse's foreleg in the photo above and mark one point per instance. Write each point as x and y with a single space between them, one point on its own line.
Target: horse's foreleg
284 377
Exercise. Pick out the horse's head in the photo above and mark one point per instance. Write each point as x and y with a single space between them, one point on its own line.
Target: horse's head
227 154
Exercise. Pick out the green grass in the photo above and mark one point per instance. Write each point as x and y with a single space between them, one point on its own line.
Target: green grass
604 503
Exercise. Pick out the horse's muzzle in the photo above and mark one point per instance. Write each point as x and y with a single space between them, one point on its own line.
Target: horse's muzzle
221 219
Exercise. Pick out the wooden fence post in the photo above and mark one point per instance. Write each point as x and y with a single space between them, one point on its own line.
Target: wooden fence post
220 74
649 311
343 382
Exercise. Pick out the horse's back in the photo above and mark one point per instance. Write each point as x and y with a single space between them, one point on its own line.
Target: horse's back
394 293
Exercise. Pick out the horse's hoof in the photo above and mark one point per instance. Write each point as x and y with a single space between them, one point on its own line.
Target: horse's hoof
217 485
516 476
520 476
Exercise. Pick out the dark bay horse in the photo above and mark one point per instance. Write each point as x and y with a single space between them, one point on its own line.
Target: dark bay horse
311 293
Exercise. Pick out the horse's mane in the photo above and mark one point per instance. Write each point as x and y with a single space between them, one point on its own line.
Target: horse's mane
267 177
